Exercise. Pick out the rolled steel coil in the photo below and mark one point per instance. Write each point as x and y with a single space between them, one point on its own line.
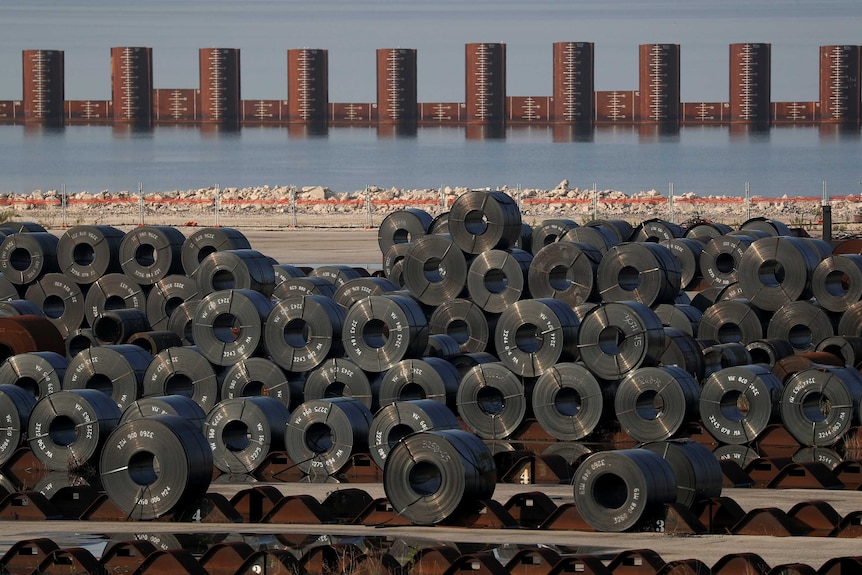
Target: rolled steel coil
657 230
117 326
721 355
583 309
439 224
323 434
682 349
354 290
496 279
733 321
464 361
828 457
155 341
618 337
550 231
565 271
687 252
340 377
848 348
569 402
8 290
433 476
721 258
13 307
399 419
182 320
39 373
742 455
25 333
731 291
525 239
182 371
621 228
435 270
256 376
429 378
53 481
532 335
16 403
492 401
792 364
235 269
155 465
165 295
653 403
86 253
703 299
707 230
79 340
60 300
769 226
380 331
243 431
643 272
66 429
573 452
337 275
116 370
803 323
150 253
697 471
777 270
25 257
442 345
819 405
768 351
392 256
228 325
600 238
683 317
737 403
480 221
179 405
286 271
113 291
304 286
23 227
465 321
837 282
616 490
402 227
201 243
300 332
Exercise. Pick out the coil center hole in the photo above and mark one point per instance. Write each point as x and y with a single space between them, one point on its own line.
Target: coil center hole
28 384
62 431
491 400
297 334
610 340
145 255
725 263
20 259
411 391
629 278
179 384
816 407
223 279
236 436
434 270
226 327
144 468
77 344
204 252
337 389
5 352
402 236
649 405
375 333
729 333
101 382
83 254
771 273
425 478
318 437
171 304
476 222
528 339
397 433
800 336
458 330
496 281
54 307
610 491
568 401
114 302
561 277
734 405
107 329
837 283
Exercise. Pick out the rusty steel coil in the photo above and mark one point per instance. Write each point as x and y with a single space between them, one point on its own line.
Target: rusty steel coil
707 230
392 256
599 238
653 403
721 257
480 221
492 401
777 270
338 274
182 319
550 231
769 350
465 321
429 378
86 253
684 317
803 323
402 227
837 281
697 471
617 490
323 434
569 402
228 324
356 289
66 429
16 404
304 286
435 270
618 337
532 335
657 230
687 252
165 295
113 291
496 279
622 229
201 243
60 300
118 325
155 341
179 405
848 348
399 419
792 364
115 370
256 376
243 431
442 345
235 269
721 355
340 377
733 321
39 373
155 465
25 333
79 340
683 350
565 271
25 257
645 272
380 331
150 253
182 371
767 225
434 476
737 403
819 405
300 332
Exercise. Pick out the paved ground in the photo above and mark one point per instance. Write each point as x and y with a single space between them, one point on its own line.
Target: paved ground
311 247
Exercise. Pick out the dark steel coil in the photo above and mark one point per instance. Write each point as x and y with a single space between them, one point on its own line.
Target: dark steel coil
256 376
79 340
465 322
532 335
721 355
25 257
837 282
179 405
340 377
54 481
492 401
496 279
803 323
323 434
681 349
117 326
392 256
113 291
39 373
463 362
228 325
86 253
819 405
733 321
777 270
707 230
285 272
433 476
703 299
737 403
67 428
435 270
235 269
616 490
569 402
399 419
380 331
618 337
600 238
397 274
731 291
24 333
653 403
182 320
182 371
621 228
429 378
304 286
687 252
792 364
337 274
165 295
242 432
152 466
525 239
442 345
657 230
583 309
565 271
402 227
848 348
697 471
573 452
550 231
683 317
155 341
300 332
480 221
354 290
60 300
150 253
828 457
23 227
721 258
645 272
8 290
201 243
767 225
116 370
439 224
16 404
768 351
742 455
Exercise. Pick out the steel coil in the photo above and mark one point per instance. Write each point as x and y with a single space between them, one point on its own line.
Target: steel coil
616 338
380 331
792 364
685 318
243 431
323 434
25 257
657 230
182 371
703 299
354 290
465 321
78 341
565 271
39 373
429 378
681 349
777 270
164 297
803 323
179 405
622 229
25 333
86 253
616 490
767 225
399 419
707 230
254 377
304 286
721 355
16 403
848 348
8 290
155 341
737 403
67 428
550 231
482 221
392 256
439 224
152 466
742 455
819 405
117 326
442 345
235 269
828 457
492 401
432 476
201 243
463 362
182 320
402 227
532 335
53 481
150 253
496 279
23 227
687 252
569 402
228 325
285 272
573 452
697 471
60 300
300 332
643 272
653 403
837 282
435 270
113 291
721 257
733 321
337 275
599 238
340 377
116 370
769 351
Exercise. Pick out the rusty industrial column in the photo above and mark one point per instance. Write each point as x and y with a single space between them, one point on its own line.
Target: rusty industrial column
840 84
396 86
750 83
44 85
574 82
659 83
308 85
132 84
486 83
220 85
